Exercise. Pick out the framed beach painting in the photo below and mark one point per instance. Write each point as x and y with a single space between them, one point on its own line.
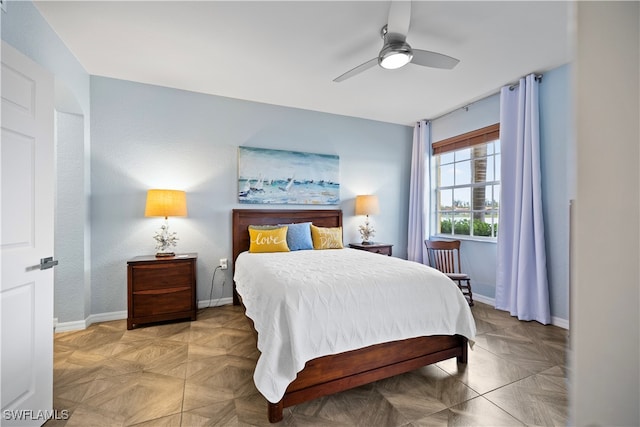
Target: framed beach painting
287 177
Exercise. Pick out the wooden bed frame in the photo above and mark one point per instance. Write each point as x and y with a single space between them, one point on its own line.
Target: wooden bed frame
334 373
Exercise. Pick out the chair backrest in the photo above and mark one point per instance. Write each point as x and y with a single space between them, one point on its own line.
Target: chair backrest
444 255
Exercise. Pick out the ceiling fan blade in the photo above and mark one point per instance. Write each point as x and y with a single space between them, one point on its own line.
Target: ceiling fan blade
433 59
399 20
360 68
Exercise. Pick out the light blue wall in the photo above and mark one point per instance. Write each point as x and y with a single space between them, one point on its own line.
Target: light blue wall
558 169
24 28
147 136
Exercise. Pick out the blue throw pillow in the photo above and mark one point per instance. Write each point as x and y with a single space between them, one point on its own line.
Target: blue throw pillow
299 236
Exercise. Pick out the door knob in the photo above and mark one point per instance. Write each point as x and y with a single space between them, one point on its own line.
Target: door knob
46 263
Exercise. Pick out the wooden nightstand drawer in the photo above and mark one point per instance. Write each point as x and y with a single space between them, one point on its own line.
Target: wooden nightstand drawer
386 250
376 248
161 289
149 303
161 275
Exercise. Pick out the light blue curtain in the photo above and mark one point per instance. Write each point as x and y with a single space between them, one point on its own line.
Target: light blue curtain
521 279
419 192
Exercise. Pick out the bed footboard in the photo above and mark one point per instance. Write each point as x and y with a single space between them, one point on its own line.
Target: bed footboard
331 374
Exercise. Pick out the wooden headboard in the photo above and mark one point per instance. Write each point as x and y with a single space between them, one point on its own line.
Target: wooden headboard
243 218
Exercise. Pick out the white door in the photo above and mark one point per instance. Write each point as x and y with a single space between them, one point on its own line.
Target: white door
26 236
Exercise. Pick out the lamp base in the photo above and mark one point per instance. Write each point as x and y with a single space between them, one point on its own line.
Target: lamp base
368 243
165 254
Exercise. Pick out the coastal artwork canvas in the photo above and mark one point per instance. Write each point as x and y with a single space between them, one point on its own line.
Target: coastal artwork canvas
268 176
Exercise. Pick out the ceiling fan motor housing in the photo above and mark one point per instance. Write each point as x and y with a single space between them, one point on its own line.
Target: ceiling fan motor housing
395 52
395 55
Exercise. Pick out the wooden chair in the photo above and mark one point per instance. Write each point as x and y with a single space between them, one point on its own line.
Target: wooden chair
445 256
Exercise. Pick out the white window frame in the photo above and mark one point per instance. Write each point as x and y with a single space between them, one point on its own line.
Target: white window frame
455 145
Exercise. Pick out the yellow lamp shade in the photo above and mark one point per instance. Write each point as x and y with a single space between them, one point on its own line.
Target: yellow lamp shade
166 203
367 205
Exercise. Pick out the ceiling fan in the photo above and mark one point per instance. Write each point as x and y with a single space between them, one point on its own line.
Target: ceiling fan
396 52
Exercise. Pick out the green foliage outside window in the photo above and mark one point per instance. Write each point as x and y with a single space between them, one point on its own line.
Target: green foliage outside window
461 227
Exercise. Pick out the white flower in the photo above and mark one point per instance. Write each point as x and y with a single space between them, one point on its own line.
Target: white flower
367 232
164 239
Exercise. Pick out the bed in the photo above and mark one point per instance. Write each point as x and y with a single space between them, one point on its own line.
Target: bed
334 372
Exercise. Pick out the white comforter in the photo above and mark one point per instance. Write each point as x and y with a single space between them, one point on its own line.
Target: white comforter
307 304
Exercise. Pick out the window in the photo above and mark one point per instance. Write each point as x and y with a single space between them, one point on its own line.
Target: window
467 170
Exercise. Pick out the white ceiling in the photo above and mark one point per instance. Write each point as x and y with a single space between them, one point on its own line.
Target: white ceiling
288 52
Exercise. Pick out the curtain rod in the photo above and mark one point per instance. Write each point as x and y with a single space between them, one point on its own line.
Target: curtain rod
538 78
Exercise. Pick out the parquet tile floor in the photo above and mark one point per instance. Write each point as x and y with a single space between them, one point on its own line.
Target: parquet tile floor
200 374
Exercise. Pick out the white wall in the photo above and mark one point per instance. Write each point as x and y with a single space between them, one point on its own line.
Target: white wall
605 326
146 136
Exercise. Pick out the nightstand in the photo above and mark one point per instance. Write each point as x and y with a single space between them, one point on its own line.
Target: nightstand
161 289
378 248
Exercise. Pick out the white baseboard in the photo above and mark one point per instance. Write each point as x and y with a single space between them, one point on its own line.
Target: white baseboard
556 321
119 315
559 322
484 300
91 319
106 317
215 302
71 326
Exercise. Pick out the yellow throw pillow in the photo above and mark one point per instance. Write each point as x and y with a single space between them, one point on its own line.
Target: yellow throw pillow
326 237
274 240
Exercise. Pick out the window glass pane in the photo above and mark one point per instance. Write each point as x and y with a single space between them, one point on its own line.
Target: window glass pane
444 223
489 202
463 173
497 167
496 206
482 224
446 175
490 147
463 154
462 198
479 198
490 170
461 224
446 158
445 200
497 146
480 167
494 224
478 151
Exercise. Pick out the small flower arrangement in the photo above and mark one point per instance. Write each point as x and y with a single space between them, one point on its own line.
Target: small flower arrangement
367 232
164 239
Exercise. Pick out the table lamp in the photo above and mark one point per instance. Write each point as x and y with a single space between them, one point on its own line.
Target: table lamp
367 205
165 203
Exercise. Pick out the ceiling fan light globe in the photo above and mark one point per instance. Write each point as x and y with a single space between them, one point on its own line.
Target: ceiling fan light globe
392 57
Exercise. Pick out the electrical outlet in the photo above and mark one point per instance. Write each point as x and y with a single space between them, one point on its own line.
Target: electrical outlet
223 264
